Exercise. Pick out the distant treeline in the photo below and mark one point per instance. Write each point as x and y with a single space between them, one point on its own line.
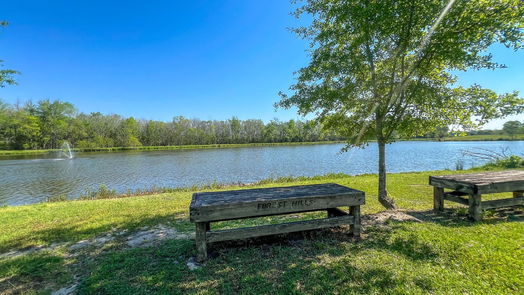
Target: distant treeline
47 124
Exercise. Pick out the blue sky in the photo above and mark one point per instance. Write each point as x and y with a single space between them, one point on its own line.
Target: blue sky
160 59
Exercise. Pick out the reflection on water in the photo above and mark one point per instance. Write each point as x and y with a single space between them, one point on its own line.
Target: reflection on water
28 180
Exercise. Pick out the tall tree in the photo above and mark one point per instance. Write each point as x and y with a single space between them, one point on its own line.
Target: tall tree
379 68
19 129
128 133
513 128
24 130
236 128
54 119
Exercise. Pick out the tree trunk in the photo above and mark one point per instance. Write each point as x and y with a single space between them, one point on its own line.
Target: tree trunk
383 196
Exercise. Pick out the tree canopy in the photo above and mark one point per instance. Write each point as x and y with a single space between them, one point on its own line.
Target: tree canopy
47 124
379 68
513 128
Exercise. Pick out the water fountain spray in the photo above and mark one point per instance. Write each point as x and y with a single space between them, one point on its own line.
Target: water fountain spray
66 150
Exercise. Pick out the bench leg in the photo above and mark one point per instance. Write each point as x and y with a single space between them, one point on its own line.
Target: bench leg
438 199
200 240
475 209
355 227
518 194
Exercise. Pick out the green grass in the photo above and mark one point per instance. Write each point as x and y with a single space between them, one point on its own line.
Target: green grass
486 137
446 255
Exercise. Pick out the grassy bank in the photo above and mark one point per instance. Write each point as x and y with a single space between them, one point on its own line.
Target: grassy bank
159 148
490 137
443 255
500 137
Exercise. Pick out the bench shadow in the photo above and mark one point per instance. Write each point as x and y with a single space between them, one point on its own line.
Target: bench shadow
318 260
379 238
38 271
458 217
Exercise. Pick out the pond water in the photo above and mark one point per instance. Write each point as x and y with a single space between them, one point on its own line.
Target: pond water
30 180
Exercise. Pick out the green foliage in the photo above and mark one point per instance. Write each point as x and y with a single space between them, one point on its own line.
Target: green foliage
103 192
54 119
383 69
20 129
47 124
439 133
508 162
459 165
512 128
128 133
375 69
493 137
59 198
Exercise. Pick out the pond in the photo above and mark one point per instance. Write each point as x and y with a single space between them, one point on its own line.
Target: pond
30 180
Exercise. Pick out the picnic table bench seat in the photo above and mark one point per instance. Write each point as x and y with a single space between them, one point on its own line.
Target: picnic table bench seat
467 189
207 207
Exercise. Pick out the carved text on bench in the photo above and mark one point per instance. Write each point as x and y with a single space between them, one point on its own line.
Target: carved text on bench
285 204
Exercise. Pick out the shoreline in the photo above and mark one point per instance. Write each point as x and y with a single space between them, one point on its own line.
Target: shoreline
103 193
8 153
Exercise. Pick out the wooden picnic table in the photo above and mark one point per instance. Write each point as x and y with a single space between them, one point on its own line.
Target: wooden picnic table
210 207
474 185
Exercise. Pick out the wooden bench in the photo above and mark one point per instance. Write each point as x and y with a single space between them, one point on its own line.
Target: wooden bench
467 189
238 204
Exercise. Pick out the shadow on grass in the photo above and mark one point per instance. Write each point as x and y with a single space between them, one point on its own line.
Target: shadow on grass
458 217
32 272
314 262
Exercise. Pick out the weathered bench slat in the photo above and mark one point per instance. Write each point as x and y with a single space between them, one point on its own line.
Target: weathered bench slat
273 229
502 203
265 208
501 187
458 194
446 183
482 183
455 198
225 198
